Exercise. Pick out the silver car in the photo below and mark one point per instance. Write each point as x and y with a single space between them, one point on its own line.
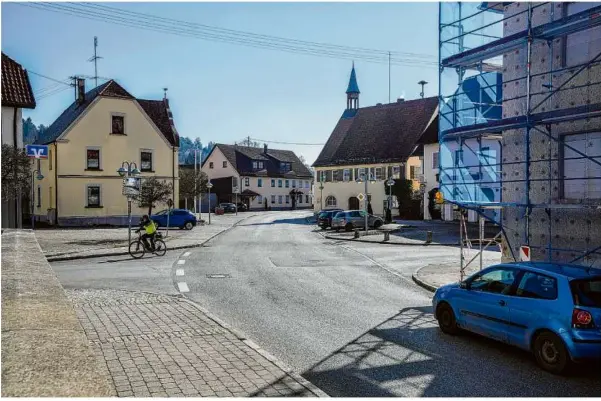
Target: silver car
351 219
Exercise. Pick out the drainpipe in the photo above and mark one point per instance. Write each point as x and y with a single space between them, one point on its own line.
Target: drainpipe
18 200
56 182
173 176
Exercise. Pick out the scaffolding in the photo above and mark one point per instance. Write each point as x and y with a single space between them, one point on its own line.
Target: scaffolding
520 122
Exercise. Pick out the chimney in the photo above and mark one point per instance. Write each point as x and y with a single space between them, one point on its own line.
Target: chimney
265 148
400 100
81 90
378 104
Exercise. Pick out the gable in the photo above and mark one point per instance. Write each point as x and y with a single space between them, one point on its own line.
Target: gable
217 157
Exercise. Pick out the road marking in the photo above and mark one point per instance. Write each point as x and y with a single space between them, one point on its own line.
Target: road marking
186 254
183 287
179 272
181 262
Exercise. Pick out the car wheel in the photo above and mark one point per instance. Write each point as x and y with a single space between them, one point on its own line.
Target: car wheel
348 227
550 353
377 224
188 225
446 319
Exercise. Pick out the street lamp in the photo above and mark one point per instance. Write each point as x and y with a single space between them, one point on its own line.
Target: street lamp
128 170
209 186
363 178
321 190
389 184
33 177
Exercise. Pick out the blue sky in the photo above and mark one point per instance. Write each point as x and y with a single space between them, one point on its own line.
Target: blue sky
223 92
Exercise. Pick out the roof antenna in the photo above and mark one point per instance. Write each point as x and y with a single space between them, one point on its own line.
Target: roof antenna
95 60
422 83
165 95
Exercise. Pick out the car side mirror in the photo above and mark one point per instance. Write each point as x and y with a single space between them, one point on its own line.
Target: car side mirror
464 285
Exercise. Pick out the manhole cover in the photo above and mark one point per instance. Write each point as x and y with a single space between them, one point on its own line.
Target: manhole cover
218 276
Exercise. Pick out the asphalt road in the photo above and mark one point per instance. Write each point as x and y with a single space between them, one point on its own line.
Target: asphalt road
345 315
349 318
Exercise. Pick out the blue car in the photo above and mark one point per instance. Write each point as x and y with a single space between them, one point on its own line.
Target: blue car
181 218
552 310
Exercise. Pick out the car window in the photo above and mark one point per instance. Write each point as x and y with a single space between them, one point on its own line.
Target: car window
323 215
497 281
586 292
162 212
180 213
533 285
356 214
338 214
362 213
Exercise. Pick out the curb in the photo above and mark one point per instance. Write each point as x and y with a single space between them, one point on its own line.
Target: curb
242 337
421 282
122 253
388 242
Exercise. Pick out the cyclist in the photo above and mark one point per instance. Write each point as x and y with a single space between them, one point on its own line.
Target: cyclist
150 229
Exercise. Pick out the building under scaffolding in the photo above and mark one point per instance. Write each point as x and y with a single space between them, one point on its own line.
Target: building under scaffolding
526 77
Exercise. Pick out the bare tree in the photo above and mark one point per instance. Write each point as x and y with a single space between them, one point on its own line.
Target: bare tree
192 183
16 172
154 192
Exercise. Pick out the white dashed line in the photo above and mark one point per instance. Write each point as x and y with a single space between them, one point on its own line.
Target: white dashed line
181 262
183 287
186 254
179 272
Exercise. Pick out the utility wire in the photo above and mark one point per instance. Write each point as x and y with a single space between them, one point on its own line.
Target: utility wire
51 79
55 92
287 143
118 19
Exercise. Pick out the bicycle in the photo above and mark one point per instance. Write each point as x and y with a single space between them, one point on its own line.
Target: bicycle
137 248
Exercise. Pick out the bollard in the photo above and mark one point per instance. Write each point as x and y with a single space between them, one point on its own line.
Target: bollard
356 234
428 237
387 236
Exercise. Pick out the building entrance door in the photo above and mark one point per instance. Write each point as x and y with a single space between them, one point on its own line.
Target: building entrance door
353 203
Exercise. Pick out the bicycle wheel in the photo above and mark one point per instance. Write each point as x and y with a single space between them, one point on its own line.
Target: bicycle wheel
136 249
160 247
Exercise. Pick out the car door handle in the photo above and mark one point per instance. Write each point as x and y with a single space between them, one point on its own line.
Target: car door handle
502 303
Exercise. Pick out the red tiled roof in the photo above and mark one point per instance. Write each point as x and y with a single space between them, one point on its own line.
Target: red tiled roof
16 88
378 134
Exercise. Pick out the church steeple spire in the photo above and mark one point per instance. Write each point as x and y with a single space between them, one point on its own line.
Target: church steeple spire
352 92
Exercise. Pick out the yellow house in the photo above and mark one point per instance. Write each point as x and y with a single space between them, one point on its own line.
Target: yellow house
89 141
375 141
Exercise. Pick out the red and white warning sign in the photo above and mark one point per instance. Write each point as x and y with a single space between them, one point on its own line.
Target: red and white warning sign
525 253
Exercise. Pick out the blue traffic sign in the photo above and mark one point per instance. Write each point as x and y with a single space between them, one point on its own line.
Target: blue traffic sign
37 151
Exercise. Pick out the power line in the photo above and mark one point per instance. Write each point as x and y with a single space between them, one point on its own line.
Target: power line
51 79
52 93
288 143
119 19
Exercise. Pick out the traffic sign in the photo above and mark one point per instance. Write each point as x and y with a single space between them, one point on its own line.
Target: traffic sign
131 186
525 253
37 151
361 197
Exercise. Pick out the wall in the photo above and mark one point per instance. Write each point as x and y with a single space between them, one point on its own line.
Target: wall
93 130
218 171
267 190
570 231
430 174
11 216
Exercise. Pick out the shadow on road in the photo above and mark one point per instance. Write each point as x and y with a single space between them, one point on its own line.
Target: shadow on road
299 220
407 355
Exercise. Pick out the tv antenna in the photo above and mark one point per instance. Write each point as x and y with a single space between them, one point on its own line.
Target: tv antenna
95 60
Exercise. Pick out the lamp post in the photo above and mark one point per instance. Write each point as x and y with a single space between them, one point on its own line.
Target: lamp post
363 178
33 177
128 170
389 184
209 186
321 190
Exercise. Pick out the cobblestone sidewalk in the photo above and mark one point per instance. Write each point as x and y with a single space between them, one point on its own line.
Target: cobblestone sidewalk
155 345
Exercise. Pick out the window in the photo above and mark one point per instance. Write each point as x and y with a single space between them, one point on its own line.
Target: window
260 165
293 183
272 183
538 286
259 199
279 183
210 164
118 125
379 173
413 172
372 173
586 292
280 199
39 196
93 196
346 175
287 183
146 160
306 198
331 201
396 172
578 171
273 199
287 199
224 164
497 281
93 159
257 165
362 173
246 181
435 160
583 46
327 176
306 184
285 167
259 182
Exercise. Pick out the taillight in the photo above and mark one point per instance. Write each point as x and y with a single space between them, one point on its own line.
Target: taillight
582 319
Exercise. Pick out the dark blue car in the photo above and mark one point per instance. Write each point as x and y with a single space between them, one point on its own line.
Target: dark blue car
181 218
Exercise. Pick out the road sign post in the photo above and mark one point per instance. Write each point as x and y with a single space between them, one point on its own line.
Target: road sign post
35 152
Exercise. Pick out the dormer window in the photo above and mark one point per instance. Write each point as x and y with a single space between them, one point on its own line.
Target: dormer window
285 167
257 165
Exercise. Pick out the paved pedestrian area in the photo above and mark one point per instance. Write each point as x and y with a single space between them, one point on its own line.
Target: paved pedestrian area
163 346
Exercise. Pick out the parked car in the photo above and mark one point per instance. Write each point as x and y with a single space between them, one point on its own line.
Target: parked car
552 310
242 207
351 219
181 218
324 219
228 207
